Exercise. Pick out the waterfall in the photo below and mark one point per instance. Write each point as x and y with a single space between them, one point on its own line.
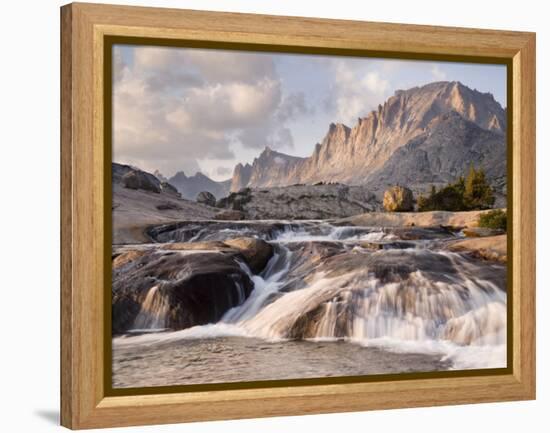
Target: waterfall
266 284
361 307
153 311
325 282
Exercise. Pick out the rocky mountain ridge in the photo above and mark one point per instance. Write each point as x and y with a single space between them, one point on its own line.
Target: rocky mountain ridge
190 186
354 155
302 202
443 153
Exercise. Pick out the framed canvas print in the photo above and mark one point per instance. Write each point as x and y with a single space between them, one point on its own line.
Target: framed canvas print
269 216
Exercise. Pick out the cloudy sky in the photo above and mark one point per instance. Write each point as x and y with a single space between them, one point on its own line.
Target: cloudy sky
205 110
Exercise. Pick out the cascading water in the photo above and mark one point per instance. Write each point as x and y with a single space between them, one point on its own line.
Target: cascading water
265 285
328 283
360 307
153 311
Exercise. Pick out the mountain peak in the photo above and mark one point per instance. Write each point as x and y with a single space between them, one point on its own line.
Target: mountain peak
442 153
349 155
335 127
241 176
267 152
179 175
190 186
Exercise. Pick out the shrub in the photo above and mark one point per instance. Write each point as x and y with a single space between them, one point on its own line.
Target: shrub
449 198
472 193
495 219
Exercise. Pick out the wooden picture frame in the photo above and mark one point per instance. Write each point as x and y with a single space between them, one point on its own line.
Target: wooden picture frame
85 214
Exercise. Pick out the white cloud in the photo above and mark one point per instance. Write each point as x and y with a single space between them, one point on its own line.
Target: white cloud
437 73
375 83
223 171
356 90
175 107
187 108
119 68
293 106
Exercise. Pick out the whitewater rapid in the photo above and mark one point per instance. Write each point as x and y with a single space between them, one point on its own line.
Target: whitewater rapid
407 295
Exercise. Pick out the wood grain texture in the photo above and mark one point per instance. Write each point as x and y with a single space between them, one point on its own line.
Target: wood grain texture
524 175
84 26
67 394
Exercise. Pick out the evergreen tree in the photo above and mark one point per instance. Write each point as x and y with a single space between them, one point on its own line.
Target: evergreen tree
423 204
472 192
478 194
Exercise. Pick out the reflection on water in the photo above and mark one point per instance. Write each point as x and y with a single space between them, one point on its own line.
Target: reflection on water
239 359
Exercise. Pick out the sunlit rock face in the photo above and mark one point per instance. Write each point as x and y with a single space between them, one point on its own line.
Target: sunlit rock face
360 154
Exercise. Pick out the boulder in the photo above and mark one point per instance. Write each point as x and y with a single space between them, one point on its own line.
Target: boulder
125 308
177 290
236 200
140 180
170 189
256 252
230 215
398 199
126 257
206 198
372 245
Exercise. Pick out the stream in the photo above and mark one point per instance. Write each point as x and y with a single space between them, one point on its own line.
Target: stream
331 301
